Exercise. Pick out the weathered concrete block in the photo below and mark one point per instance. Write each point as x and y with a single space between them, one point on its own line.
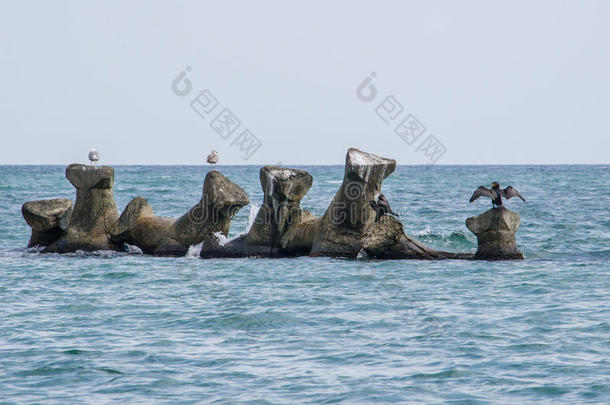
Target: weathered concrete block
160 236
220 201
95 212
495 230
279 214
281 209
48 219
346 220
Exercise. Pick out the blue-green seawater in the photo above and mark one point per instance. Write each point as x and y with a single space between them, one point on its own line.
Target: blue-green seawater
128 328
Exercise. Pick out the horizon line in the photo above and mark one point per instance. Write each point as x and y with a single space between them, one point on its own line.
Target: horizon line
323 164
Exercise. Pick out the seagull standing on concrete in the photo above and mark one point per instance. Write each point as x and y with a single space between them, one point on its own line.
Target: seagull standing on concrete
212 158
94 156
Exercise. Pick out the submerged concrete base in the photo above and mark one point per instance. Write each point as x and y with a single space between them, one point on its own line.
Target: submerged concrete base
387 239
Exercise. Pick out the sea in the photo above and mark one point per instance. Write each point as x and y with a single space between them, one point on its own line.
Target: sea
123 327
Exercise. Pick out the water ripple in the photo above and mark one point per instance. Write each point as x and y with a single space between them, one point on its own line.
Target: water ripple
129 328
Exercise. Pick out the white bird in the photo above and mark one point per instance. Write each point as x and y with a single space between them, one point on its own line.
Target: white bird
212 158
94 156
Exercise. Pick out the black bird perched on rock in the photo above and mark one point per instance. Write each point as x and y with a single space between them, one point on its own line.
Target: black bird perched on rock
496 194
381 206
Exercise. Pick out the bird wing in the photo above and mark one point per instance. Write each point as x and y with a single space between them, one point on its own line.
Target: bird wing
482 191
510 192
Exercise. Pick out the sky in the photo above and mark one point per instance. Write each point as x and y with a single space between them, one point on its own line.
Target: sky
278 82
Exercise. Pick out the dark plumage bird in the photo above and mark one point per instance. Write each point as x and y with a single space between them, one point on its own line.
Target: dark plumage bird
496 194
381 206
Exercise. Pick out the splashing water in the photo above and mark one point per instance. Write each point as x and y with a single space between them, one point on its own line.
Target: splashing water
194 250
223 240
423 232
362 255
252 217
132 249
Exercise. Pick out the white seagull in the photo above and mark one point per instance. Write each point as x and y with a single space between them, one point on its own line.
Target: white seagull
212 158
94 156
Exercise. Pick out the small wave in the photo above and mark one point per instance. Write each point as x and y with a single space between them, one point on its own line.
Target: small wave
423 232
455 240
119 274
449 373
256 321
109 370
33 250
76 351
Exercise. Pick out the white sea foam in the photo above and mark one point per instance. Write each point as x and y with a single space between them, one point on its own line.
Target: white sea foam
362 255
424 232
133 249
193 252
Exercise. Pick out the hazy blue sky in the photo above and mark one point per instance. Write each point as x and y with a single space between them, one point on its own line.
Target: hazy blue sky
519 82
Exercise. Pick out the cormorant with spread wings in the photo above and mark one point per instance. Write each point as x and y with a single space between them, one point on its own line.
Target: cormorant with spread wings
496 194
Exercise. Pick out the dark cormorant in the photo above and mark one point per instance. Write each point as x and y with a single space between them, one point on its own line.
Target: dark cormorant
496 194
381 207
